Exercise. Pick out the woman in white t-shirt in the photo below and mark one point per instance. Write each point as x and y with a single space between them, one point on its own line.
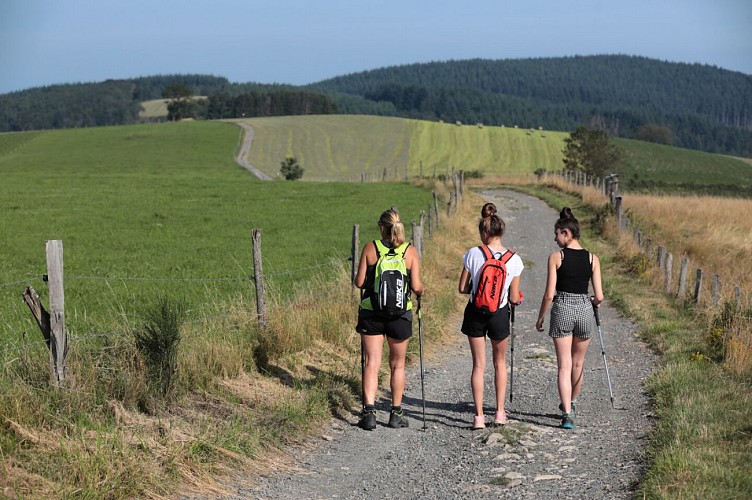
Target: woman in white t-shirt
477 324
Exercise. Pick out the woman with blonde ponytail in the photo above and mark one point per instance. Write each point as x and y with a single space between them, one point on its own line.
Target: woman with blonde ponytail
373 326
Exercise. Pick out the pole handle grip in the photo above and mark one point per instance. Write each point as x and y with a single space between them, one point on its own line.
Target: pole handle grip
597 316
511 313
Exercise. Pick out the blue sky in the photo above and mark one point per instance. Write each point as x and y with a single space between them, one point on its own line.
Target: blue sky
44 42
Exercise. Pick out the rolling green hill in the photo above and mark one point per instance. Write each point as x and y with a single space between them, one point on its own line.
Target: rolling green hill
335 147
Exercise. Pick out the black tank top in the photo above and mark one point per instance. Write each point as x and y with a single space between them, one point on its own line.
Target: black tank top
575 271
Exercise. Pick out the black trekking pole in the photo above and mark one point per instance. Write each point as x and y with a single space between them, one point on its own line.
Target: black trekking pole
511 377
603 351
420 344
362 374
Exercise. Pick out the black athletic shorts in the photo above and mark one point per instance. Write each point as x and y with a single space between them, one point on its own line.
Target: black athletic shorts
478 324
371 323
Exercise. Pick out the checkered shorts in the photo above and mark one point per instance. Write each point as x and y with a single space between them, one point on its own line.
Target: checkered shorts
571 314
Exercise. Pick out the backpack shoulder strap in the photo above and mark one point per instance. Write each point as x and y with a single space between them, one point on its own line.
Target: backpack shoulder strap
381 249
402 248
507 255
487 253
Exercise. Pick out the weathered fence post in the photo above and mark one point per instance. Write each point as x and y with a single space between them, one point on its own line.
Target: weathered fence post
58 335
683 278
619 213
354 254
462 183
258 275
449 205
738 295
436 206
430 221
660 256
716 291
669 270
698 286
417 237
649 248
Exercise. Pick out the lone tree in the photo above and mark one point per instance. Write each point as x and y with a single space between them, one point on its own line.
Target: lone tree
181 101
590 151
290 169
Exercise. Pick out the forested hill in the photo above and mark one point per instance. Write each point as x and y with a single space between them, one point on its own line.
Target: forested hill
704 107
688 105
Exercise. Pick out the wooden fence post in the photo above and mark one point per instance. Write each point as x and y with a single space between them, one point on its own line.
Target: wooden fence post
669 270
649 248
619 213
716 291
698 286
417 237
683 271
258 274
430 221
660 256
436 207
58 335
738 295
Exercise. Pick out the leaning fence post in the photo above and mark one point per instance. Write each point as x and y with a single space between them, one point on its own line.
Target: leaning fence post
58 336
258 274
698 286
684 270
354 254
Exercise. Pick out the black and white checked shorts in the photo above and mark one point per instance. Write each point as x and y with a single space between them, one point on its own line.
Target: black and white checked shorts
571 314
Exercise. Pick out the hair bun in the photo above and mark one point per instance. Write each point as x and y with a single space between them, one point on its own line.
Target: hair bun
488 210
566 213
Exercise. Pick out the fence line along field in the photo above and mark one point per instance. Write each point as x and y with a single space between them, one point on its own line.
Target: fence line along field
163 209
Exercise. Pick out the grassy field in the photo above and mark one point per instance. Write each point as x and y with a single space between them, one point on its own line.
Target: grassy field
163 209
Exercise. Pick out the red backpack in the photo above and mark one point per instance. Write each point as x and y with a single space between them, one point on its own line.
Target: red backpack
493 275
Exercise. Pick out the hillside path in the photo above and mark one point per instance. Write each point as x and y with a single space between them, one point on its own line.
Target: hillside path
245 148
601 458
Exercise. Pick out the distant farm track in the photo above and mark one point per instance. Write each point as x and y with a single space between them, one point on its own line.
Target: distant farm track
338 147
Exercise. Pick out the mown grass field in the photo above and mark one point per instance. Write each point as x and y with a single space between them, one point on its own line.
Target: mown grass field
339 147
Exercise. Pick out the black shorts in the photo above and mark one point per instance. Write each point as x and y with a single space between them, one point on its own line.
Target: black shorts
371 323
478 324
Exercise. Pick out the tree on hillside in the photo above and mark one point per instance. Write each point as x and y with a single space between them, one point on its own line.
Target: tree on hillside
181 101
290 169
655 133
590 151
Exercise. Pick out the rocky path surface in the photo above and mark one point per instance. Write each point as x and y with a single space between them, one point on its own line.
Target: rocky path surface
531 457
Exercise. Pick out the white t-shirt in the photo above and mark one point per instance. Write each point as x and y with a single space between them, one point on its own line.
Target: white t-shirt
474 260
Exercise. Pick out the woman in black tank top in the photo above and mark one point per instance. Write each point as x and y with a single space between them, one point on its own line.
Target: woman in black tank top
569 272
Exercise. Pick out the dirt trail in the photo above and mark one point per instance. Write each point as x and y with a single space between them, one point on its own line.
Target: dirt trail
531 457
245 148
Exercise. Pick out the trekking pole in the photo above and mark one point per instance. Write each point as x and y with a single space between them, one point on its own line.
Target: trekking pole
420 344
603 351
511 377
362 374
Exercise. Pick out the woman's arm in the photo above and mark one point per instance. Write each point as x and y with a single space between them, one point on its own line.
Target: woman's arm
597 287
464 285
554 261
368 250
515 294
412 261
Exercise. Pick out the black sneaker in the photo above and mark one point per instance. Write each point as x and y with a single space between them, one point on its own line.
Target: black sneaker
567 422
572 411
368 420
397 419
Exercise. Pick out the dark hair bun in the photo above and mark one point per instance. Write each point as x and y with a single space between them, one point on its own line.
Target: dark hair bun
566 213
488 210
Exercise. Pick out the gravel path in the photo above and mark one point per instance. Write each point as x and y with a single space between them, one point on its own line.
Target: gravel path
530 457
245 148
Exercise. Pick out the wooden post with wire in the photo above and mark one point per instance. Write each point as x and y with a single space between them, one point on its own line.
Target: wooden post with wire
258 275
